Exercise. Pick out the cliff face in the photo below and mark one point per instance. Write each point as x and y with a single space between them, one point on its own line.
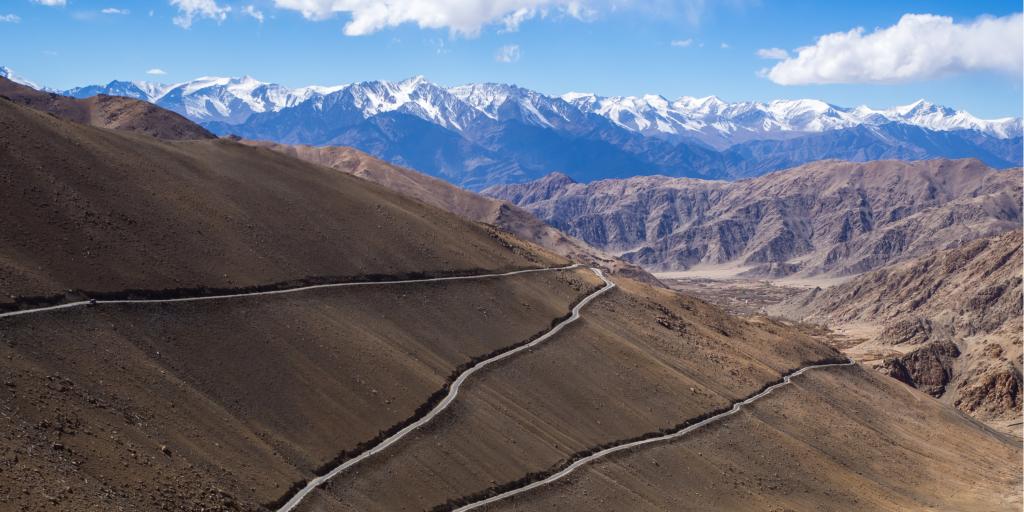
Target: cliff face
954 315
833 218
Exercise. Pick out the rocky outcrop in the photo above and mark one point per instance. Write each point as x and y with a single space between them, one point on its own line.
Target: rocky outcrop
992 393
910 330
928 368
833 218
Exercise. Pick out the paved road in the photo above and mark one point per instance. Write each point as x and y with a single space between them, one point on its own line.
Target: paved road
453 391
675 435
276 292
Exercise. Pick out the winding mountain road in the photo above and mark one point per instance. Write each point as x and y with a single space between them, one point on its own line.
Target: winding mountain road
453 391
625 446
83 303
457 383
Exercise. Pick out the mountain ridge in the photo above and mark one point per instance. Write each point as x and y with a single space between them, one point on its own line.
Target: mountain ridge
114 112
831 218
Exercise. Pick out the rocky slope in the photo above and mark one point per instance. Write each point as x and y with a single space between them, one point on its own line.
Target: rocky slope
461 202
832 218
953 317
104 111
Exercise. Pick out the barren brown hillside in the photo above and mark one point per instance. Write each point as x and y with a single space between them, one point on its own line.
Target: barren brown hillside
103 211
461 202
644 361
824 443
640 361
249 396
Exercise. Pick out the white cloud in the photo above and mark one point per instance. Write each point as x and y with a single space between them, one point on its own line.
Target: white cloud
507 54
772 53
465 17
156 71
191 9
724 46
251 10
919 46
682 43
114 10
517 17
9 18
51 3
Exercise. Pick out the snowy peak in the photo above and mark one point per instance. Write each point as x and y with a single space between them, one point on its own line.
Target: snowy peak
510 102
706 105
414 96
487 97
920 107
579 97
139 90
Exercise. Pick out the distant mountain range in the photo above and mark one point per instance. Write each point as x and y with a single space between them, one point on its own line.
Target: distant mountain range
484 134
825 218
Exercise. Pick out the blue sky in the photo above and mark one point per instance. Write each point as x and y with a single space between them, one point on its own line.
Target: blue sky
608 47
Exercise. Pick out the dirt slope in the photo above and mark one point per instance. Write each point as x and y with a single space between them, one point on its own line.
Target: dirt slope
461 202
953 320
105 211
107 112
250 396
832 218
824 443
640 360
646 360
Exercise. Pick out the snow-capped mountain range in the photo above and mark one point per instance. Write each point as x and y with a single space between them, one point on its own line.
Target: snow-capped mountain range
210 98
709 119
721 123
483 134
